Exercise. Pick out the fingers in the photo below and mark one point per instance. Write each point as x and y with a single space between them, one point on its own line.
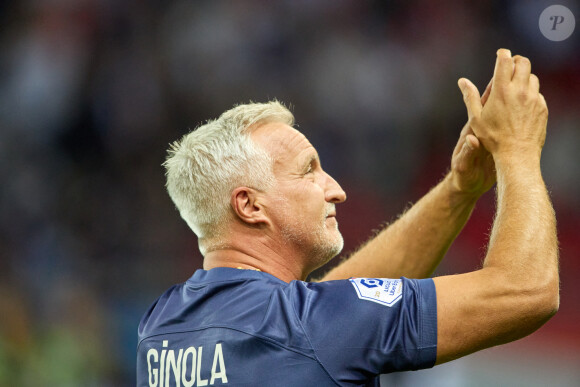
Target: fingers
504 67
465 131
522 69
486 93
471 148
468 154
471 97
511 105
472 141
462 161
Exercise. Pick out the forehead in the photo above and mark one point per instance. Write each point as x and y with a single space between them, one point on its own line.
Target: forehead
282 142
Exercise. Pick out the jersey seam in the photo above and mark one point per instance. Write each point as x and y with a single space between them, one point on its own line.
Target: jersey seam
261 337
246 278
310 342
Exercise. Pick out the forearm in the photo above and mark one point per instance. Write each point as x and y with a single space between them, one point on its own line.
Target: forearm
414 245
523 243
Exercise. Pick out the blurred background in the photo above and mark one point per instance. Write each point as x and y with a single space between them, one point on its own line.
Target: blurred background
92 92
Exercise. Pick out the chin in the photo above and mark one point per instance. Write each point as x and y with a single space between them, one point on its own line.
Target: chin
334 247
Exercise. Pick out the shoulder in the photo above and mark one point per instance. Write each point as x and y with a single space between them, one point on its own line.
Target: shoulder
159 308
378 324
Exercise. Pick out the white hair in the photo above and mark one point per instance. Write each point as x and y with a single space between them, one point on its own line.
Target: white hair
207 164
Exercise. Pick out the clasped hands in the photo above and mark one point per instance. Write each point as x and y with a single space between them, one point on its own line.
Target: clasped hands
506 123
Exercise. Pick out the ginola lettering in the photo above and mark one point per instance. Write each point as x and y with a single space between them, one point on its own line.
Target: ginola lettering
183 367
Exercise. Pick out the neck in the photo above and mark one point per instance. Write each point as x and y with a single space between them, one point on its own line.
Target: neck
277 262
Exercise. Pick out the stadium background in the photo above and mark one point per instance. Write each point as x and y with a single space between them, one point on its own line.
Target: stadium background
92 91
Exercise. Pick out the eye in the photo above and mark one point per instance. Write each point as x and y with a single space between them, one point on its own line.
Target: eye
311 167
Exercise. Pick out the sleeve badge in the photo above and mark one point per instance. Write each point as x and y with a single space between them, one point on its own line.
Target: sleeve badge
383 291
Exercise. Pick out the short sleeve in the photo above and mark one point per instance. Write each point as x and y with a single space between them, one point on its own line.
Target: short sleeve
358 331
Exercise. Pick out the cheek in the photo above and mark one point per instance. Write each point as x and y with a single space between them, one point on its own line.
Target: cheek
313 204
305 202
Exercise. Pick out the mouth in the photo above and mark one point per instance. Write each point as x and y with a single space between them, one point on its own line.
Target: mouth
332 217
331 212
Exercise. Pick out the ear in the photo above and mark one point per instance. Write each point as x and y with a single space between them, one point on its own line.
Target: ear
246 206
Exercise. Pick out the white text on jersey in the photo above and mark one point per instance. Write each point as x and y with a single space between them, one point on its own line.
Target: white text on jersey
185 369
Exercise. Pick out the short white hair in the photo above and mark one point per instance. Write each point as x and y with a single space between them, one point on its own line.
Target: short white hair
208 163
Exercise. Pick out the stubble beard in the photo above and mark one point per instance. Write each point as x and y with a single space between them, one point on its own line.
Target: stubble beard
319 245
332 247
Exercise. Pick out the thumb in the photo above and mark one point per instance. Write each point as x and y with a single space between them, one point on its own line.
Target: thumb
471 97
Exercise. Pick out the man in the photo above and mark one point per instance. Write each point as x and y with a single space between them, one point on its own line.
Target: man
253 190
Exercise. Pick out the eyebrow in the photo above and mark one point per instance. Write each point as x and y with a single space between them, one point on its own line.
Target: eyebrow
312 157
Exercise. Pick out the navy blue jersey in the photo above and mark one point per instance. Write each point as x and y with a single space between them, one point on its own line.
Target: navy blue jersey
249 328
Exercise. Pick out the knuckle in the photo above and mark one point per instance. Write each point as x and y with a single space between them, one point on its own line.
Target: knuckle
523 60
506 60
523 95
503 88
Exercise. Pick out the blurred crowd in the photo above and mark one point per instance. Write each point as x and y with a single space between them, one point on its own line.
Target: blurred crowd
92 91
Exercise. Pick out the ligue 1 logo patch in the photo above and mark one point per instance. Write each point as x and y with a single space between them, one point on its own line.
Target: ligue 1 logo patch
383 291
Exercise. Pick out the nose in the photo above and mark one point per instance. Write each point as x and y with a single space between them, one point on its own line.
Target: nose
334 193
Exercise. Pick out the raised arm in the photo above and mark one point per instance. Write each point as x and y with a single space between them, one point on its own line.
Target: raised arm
414 245
517 290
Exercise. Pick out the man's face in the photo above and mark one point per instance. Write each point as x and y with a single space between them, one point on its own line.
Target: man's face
302 202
